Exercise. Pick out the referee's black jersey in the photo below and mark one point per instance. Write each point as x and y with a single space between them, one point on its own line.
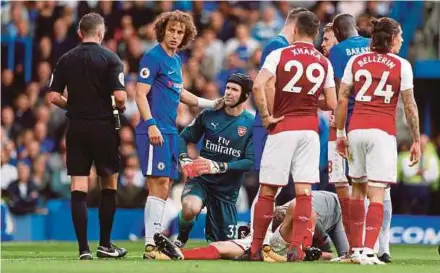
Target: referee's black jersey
91 74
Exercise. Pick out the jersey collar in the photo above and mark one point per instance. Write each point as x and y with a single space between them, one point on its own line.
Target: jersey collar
303 44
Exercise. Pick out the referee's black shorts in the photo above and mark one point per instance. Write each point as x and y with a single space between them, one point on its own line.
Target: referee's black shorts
92 141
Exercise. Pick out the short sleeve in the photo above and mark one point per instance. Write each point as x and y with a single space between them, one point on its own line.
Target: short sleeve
406 76
148 68
330 79
336 59
272 61
116 77
347 78
58 79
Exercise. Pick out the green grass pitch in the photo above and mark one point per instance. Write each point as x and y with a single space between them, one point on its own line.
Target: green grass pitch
51 257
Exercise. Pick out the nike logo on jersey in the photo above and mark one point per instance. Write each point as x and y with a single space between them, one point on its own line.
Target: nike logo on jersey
171 72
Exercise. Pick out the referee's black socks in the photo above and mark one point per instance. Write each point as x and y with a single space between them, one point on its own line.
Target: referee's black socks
107 208
79 218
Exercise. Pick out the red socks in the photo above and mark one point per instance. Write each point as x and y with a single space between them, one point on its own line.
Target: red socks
373 224
308 236
357 221
201 253
302 214
345 208
263 214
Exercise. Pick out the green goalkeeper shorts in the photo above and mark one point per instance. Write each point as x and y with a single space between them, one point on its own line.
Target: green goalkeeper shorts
221 218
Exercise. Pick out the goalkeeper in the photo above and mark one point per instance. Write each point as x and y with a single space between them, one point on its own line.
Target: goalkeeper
216 176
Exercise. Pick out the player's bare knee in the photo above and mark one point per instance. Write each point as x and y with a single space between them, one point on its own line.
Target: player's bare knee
158 186
303 189
359 191
80 183
376 192
268 191
342 190
191 206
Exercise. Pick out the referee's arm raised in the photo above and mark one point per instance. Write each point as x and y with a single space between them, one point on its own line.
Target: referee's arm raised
57 85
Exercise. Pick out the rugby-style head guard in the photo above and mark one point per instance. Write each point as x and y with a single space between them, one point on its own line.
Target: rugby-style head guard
246 85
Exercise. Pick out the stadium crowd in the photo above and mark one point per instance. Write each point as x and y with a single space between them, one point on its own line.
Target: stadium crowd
230 39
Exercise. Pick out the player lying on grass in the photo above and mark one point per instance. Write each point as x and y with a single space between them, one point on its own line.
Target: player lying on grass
216 176
327 224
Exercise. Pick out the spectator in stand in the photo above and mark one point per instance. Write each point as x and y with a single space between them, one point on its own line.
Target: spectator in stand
9 89
133 54
42 53
23 193
40 175
418 180
33 93
243 45
214 49
47 143
23 114
44 72
10 127
8 171
268 27
147 37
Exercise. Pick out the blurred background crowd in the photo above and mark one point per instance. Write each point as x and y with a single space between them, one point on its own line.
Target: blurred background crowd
231 37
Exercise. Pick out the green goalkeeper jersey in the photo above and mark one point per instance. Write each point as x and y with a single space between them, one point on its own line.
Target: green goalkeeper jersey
225 139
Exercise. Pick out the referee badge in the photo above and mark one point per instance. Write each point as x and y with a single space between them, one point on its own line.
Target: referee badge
161 166
121 78
145 73
241 130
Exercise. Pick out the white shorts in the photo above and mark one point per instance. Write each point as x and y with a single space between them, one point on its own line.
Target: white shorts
244 243
372 156
336 165
293 153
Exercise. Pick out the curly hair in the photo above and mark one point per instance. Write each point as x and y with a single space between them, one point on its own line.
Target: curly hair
175 16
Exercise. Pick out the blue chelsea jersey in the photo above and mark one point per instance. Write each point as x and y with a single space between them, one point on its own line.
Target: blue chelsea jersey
276 42
341 53
164 74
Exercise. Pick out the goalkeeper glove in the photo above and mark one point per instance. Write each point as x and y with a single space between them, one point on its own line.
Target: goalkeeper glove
187 165
206 166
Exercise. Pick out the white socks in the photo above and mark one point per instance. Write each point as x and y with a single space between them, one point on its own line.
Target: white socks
384 235
153 214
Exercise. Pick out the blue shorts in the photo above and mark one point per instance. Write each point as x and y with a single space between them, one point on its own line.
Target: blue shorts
159 160
259 136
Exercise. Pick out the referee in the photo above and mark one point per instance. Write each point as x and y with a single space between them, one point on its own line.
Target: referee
92 74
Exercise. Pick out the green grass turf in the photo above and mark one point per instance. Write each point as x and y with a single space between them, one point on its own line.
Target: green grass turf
48 257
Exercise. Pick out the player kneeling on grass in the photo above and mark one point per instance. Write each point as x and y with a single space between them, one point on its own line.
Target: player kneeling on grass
216 176
326 227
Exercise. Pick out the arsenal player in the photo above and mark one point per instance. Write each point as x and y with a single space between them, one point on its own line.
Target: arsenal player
377 78
301 74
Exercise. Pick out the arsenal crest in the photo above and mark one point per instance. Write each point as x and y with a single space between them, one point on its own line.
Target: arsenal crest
241 130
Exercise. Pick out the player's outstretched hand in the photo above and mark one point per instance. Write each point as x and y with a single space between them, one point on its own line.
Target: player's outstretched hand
155 135
342 146
415 154
206 166
219 103
269 121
